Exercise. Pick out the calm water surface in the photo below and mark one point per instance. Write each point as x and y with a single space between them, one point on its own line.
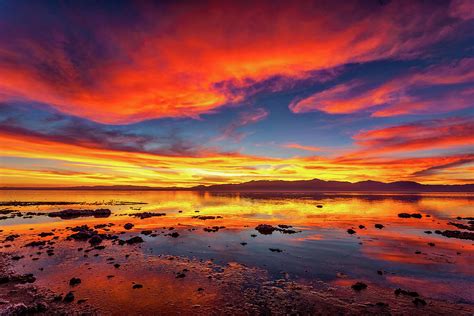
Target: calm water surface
322 254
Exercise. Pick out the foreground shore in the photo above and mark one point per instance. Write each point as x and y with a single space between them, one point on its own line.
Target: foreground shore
209 257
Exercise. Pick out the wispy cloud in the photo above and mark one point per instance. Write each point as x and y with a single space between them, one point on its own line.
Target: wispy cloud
451 89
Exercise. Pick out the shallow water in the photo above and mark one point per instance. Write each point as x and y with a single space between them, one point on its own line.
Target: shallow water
321 254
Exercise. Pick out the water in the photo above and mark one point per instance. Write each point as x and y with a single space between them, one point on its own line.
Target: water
321 254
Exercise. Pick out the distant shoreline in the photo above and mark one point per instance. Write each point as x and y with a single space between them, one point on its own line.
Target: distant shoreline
308 186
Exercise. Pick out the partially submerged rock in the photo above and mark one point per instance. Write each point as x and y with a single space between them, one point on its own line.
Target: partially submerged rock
73 213
266 229
359 286
147 215
74 281
407 215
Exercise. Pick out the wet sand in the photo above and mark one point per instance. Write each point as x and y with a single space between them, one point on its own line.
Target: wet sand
194 253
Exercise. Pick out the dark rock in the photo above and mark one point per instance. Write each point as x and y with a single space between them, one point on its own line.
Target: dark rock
406 293
69 297
71 213
174 234
205 217
137 286
275 250
457 234
265 229
404 215
359 286
419 302
147 215
379 226
128 226
45 234
95 240
351 231
74 281
147 232
361 226
134 240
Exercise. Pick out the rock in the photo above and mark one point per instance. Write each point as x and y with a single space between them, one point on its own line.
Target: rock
147 215
45 234
174 234
406 215
147 232
253 235
456 234
36 244
361 226
431 244
74 281
180 275
137 286
206 217
69 297
319 206
406 293
243 243
212 229
128 226
359 286
275 250
134 240
351 231
379 226
95 240
265 229
72 213
419 302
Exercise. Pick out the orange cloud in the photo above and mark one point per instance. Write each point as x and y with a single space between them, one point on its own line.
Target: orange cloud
174 60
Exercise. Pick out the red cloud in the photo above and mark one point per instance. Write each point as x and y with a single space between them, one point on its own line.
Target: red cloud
399 95
171 60
422 135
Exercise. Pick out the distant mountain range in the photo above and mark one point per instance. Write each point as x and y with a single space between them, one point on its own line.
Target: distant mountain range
314 185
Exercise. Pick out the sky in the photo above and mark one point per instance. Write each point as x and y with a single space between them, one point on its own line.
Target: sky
184 93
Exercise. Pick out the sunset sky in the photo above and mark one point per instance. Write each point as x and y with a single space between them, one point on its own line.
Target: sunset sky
183 93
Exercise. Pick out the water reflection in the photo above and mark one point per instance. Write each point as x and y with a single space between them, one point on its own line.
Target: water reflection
397 255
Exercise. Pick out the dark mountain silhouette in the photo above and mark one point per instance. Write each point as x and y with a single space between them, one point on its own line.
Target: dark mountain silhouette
314 185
